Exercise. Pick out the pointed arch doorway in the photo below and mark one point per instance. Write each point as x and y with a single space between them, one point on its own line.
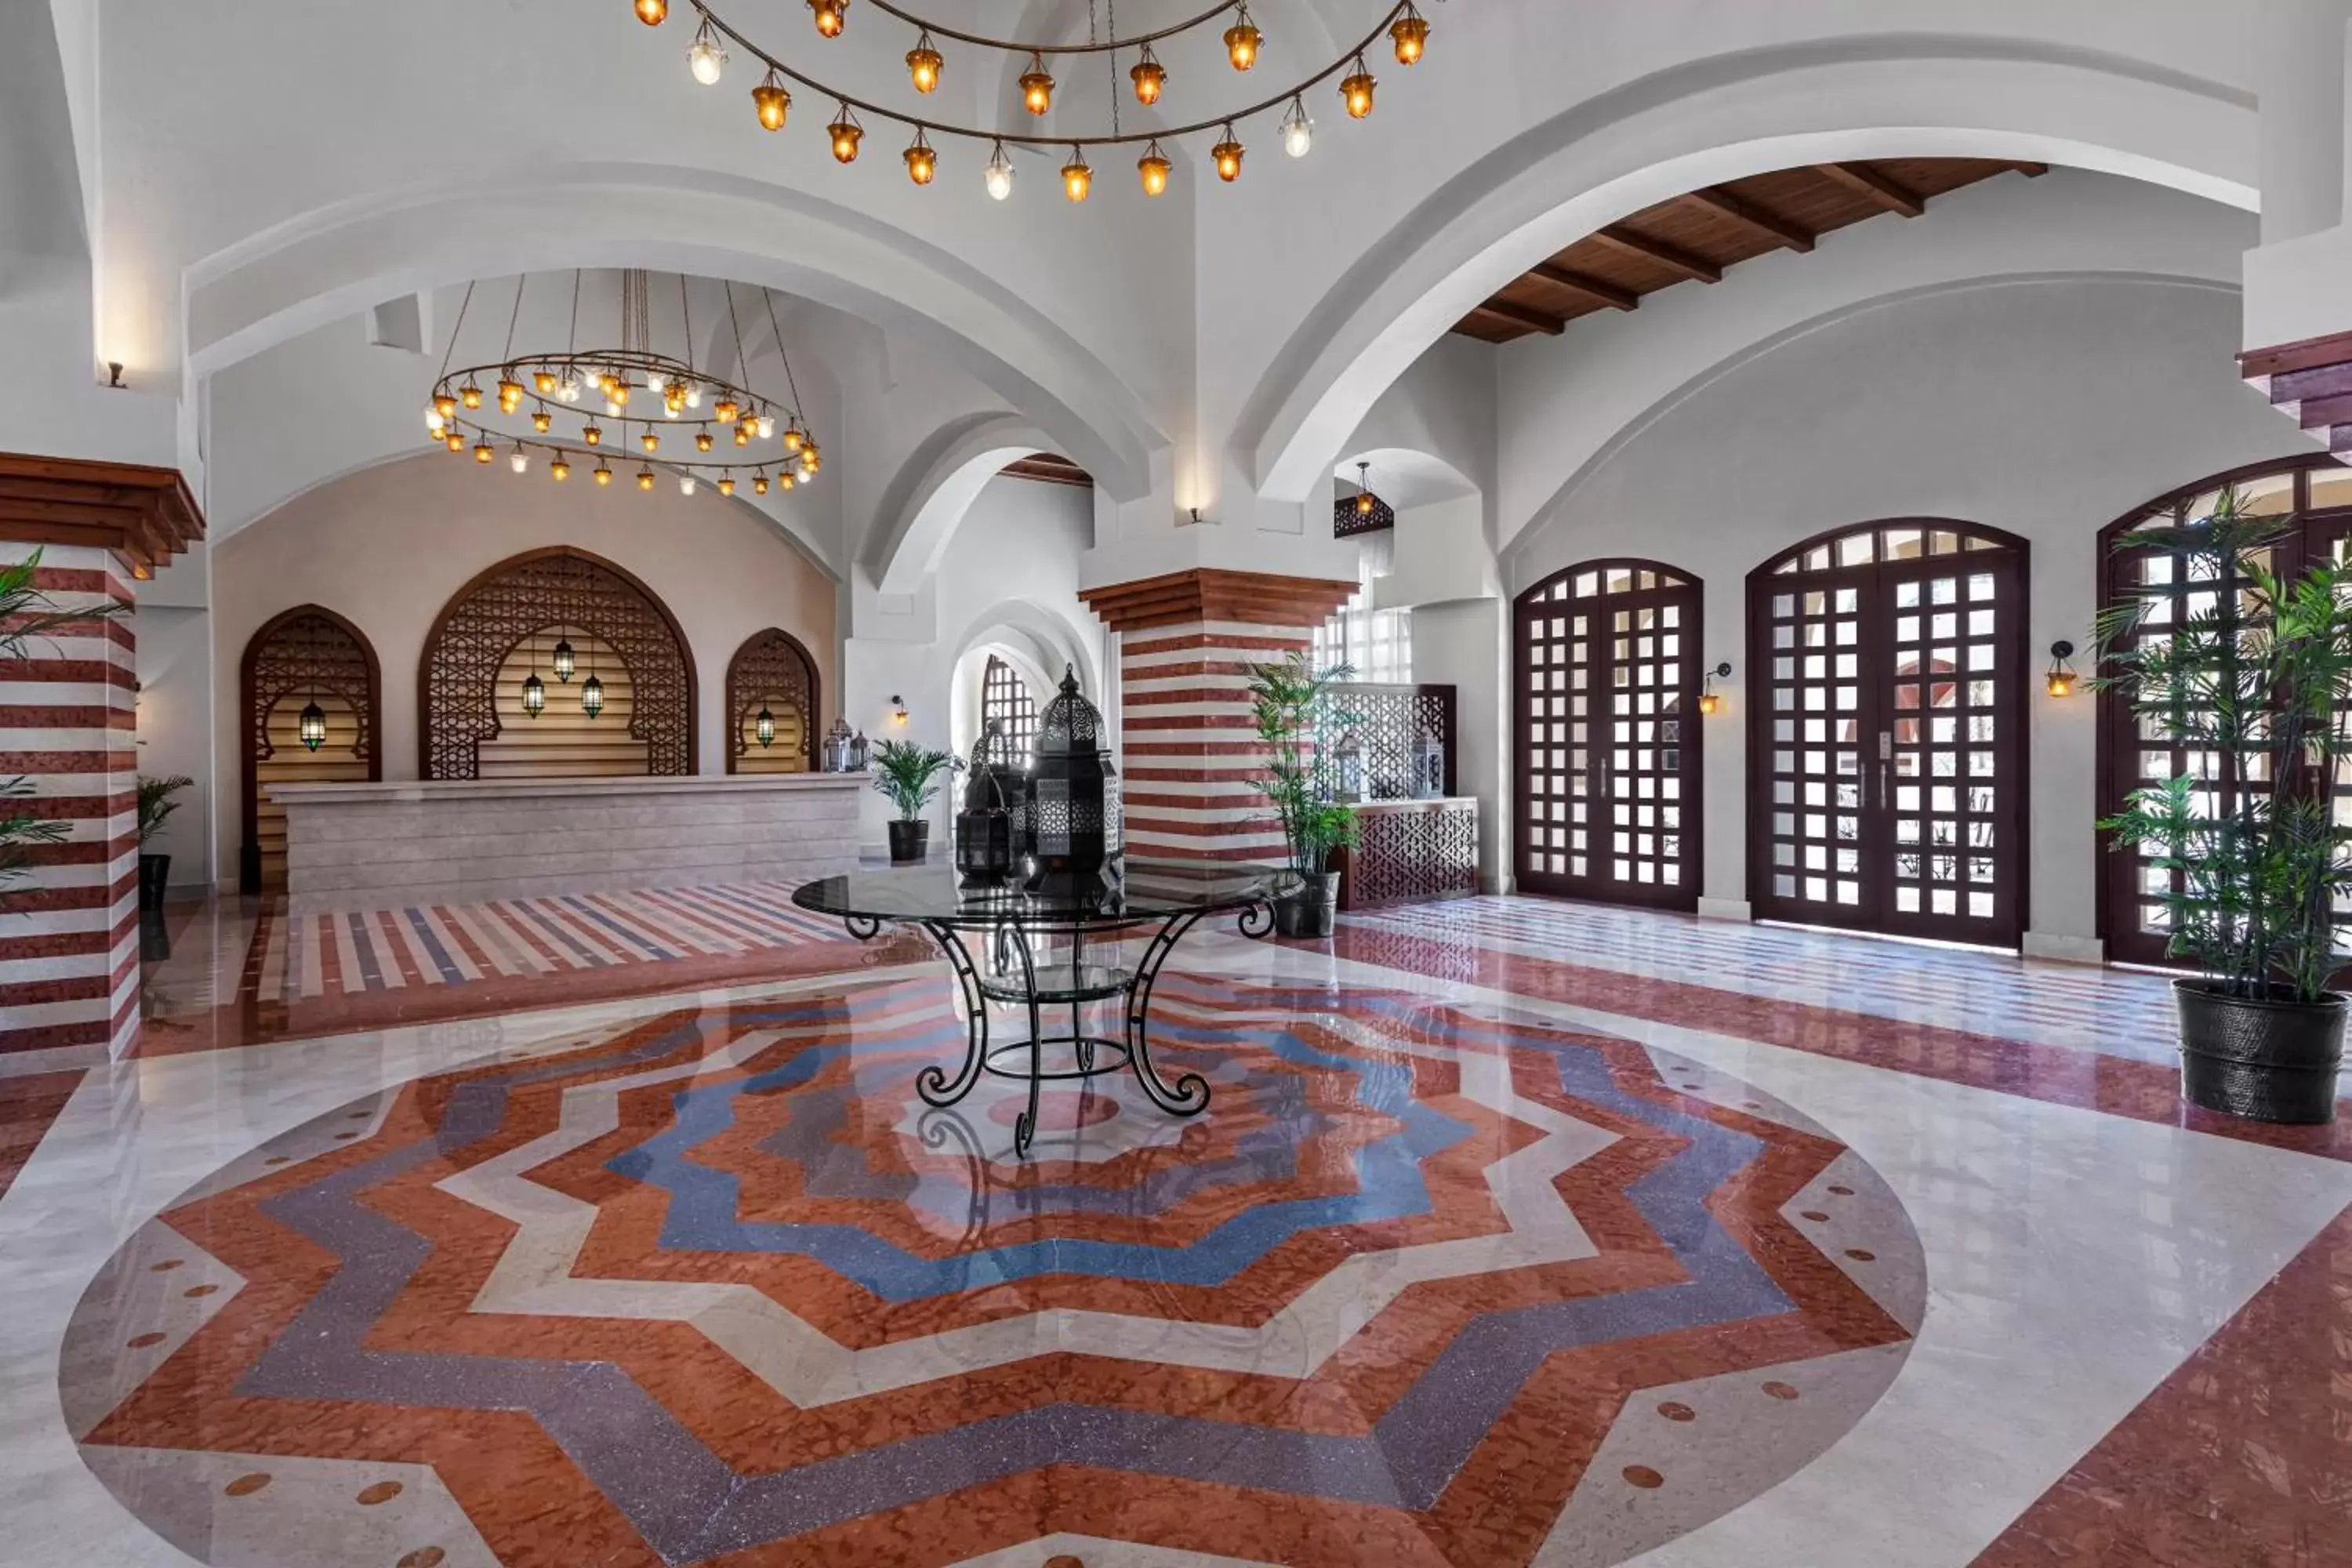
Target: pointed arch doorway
1886 748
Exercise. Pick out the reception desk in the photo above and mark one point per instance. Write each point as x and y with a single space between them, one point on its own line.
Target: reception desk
1411 852
378 845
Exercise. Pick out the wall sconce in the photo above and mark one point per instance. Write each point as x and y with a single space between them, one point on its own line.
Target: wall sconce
898 709
114 376
2060 681
1709 704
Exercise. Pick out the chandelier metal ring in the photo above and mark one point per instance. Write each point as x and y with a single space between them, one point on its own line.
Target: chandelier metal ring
1013 46
1347 57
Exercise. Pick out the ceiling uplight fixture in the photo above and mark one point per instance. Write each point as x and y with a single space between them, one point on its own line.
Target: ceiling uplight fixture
1401 26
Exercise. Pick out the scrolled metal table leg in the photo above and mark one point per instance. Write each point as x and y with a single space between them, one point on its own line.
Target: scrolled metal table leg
933 1083
865 928
1025 1128
1190 1097
1262 915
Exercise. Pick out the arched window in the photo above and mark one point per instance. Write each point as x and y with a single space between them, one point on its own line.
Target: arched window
1886 743
771 673
1005 697
308 657
1606 667
2311 497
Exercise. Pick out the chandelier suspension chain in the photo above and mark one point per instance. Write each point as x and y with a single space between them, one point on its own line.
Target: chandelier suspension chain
571 341
454 328
783 353
1346 60
1091 46
743 366
685 314
513 316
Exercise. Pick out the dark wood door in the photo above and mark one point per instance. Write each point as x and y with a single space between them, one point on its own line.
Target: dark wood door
1606 670
2312 499
1886 771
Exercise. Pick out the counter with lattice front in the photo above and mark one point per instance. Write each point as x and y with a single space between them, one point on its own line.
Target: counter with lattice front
1411 852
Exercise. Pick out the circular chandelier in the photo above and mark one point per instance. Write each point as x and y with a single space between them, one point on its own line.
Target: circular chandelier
632 402
1244 44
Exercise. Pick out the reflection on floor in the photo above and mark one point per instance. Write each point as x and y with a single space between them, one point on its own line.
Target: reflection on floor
1508 1237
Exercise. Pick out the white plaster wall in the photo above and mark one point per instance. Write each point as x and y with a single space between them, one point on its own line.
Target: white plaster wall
1461 642
2045 408
175 730
388 547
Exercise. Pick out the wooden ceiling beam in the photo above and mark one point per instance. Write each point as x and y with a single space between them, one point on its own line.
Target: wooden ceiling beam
1672 257
1728 204
1593 288
1891 194
2030 171
1519 315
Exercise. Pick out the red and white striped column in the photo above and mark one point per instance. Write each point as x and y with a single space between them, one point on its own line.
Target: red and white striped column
70 929
1192 759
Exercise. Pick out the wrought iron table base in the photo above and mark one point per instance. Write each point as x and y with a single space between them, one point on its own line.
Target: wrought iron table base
1025 982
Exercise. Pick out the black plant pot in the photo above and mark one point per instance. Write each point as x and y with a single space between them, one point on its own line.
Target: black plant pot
2262 1059
909 842
154 877
1312 910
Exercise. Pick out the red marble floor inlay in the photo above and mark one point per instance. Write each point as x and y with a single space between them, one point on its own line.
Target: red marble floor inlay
28 1104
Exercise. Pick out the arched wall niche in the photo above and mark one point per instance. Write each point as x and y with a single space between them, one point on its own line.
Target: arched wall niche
313 653
773 670
535 593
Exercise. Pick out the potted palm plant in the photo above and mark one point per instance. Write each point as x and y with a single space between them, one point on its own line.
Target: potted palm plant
908 775
27 613
155 808
2255 674
1290 702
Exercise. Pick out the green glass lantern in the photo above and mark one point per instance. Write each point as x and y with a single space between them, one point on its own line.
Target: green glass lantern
764 726
312 726
534 695
591 696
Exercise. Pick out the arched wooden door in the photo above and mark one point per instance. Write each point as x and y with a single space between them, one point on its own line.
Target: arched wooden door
307 655
2312 499
1887 746
1606 665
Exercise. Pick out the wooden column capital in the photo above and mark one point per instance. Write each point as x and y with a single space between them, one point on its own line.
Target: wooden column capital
1211 593
2311 381
144 514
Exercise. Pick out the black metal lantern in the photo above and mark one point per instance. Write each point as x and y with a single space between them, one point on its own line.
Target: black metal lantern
591 696
312 726
1071 815
1428 766
838 745
989 829
534 695
565 664
765 727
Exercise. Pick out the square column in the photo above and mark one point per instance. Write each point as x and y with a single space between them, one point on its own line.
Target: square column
69 930
1191 759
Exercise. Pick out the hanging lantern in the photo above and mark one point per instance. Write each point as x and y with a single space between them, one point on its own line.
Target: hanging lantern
312 726
534 695
1071 819
2060 681
1151 77
563 661
591 696
763 727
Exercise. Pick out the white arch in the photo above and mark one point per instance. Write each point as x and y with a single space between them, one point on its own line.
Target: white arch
936 486
1699 124
340 259
1037 642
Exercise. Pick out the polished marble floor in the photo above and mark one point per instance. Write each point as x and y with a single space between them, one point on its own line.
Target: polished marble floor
1515 1233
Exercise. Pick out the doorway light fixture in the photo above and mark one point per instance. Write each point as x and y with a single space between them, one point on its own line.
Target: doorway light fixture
1710 703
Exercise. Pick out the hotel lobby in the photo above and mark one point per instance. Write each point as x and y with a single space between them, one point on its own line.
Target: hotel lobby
1582 794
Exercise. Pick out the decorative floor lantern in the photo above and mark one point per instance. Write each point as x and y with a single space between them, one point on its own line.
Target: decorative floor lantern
1072 813
838 744
989 828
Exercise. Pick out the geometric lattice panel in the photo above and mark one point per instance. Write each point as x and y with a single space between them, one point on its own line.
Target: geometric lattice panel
1422 1286
304 657
532 595
772 671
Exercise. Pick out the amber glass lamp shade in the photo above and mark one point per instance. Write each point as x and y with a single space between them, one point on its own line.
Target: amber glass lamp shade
760 484
311 727
445 404
1228 156
1411 36
559 470
604 475
1077 179
653 13
846 136
591 696
1036 87
727 484
645 479
1241 42
2060 681
541 420
922 163
1356 92
510 396
1151 79
455 442
650 441
702 440
923 65
1153 168
544 379
592 435
773 103
484 452
534 695
764 726
470 395
1708 703
828 15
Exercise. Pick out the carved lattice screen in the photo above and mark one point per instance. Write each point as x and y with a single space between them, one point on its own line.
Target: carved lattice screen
530 596
771 670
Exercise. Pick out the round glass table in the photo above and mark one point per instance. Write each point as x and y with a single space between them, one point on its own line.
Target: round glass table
1167 898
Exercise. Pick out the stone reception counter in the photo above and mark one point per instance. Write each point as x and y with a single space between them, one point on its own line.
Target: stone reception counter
378 845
